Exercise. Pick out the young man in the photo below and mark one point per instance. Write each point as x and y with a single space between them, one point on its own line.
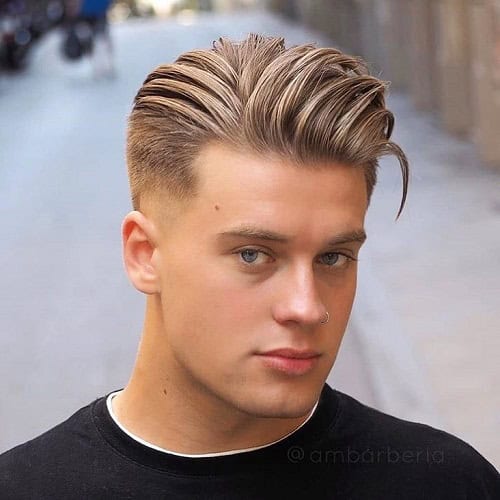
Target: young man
251 167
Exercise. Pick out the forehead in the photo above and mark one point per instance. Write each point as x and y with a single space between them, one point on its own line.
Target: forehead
237 188
231 175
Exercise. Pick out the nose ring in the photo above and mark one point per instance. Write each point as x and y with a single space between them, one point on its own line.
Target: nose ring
327 319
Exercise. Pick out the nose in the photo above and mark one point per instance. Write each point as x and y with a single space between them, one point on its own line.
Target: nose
299 300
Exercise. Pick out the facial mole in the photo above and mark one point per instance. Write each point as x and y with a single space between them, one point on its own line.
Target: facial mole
165 391
216 207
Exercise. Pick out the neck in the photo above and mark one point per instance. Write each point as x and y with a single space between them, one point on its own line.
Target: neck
163 410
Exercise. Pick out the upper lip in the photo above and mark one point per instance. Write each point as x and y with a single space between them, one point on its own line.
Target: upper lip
292 353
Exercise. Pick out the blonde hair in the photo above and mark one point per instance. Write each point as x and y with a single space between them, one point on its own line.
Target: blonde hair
306 104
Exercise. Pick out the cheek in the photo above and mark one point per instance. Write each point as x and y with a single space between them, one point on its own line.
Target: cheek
220 292
208 304
341 300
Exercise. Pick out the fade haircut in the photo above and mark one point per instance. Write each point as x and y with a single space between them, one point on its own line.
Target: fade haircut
306 104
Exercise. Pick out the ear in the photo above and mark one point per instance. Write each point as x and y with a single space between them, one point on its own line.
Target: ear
140 240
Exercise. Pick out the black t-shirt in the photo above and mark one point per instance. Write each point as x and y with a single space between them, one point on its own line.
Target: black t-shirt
345 451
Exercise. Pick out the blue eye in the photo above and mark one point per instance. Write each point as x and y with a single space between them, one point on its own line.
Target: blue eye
333 258
247 252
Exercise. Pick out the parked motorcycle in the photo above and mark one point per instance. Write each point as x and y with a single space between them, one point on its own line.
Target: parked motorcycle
22 23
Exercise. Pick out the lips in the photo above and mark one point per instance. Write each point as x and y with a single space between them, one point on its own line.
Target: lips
292 353
290 361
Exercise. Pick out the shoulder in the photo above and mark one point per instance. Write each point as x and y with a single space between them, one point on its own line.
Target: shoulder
34 462
385 429
414 448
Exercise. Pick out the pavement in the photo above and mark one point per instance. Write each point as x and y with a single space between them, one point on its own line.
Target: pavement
423 339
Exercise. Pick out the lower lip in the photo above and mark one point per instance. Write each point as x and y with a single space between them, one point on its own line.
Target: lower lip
290 366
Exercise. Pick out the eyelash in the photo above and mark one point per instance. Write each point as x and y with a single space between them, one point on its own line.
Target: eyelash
249 265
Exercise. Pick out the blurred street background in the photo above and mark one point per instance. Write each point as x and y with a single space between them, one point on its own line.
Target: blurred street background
424 338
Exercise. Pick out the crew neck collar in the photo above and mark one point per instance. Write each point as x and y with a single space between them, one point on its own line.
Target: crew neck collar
305 436
109 407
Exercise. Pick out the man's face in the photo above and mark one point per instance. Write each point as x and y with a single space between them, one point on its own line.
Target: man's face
229 299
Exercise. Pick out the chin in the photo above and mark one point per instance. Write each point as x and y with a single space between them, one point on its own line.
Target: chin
282 412
288 406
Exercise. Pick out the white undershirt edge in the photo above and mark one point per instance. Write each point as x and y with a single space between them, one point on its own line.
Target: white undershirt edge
203 455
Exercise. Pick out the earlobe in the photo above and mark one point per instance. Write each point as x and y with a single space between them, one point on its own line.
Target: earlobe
139 238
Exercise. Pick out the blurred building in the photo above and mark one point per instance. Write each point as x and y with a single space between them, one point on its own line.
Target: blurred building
124 9
446 53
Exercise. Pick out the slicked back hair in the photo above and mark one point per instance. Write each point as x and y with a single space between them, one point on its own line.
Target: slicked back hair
306 104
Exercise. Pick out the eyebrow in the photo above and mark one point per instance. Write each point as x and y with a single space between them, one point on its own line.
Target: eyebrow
247 231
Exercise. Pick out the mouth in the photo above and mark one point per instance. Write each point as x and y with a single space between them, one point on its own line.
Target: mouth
290 361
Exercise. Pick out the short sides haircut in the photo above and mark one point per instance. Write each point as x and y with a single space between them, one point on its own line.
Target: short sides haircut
306 104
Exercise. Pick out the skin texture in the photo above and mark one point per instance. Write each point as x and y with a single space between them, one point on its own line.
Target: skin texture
198 385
